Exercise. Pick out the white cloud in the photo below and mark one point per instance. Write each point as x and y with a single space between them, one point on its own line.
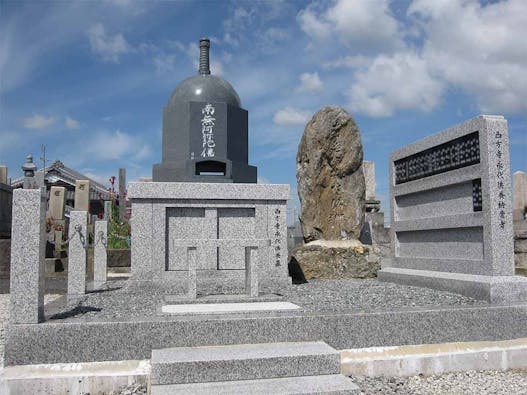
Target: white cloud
115 145
310 82
109 48
392 83
313 25
38 122
165 63
291 116
366 25
478 48
71 123
348 62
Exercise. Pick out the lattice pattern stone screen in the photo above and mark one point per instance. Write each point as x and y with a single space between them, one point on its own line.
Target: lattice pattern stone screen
461 152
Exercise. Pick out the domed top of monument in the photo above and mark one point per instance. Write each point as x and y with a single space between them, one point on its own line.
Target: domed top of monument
204 86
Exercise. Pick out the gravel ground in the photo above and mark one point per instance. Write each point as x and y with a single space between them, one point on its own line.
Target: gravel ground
317 296
512 382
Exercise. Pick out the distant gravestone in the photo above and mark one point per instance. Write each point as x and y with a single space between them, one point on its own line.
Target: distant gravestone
451 212
82 195
369 177
40 179
57 201
122 194
3 174
107 210
519 195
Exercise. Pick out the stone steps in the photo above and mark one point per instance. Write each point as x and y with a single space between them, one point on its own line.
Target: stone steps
295 367
334 384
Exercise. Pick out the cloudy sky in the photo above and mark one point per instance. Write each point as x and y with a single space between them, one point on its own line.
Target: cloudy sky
89 79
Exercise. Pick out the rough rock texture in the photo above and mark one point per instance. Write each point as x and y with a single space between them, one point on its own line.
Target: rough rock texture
330 179
337 259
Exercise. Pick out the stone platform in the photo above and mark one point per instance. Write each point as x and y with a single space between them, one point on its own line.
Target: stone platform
121 323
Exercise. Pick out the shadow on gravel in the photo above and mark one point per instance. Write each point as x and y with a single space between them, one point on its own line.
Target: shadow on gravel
98 291
76 311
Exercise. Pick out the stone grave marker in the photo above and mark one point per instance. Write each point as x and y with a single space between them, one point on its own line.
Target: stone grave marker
3 174
520 195
122 194
82 195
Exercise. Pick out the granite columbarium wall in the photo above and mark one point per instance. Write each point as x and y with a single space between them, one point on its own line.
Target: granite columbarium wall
451 212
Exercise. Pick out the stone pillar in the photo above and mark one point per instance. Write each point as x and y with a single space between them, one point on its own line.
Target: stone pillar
100 257
27 256
251 271
3 174
122 194
192 258
108 211
368 168
82 195
77 253
520 195
40 180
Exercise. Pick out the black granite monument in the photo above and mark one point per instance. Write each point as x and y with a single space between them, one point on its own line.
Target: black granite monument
205 133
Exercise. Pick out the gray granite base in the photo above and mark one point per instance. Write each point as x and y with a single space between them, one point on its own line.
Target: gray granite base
134 338
493 289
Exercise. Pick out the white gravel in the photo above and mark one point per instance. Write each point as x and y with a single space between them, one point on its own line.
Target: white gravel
511 382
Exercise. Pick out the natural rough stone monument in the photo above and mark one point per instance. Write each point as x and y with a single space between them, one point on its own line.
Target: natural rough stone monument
332 189
330 179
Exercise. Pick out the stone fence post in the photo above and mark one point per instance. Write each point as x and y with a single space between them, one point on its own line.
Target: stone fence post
27 256
78 236
100 256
